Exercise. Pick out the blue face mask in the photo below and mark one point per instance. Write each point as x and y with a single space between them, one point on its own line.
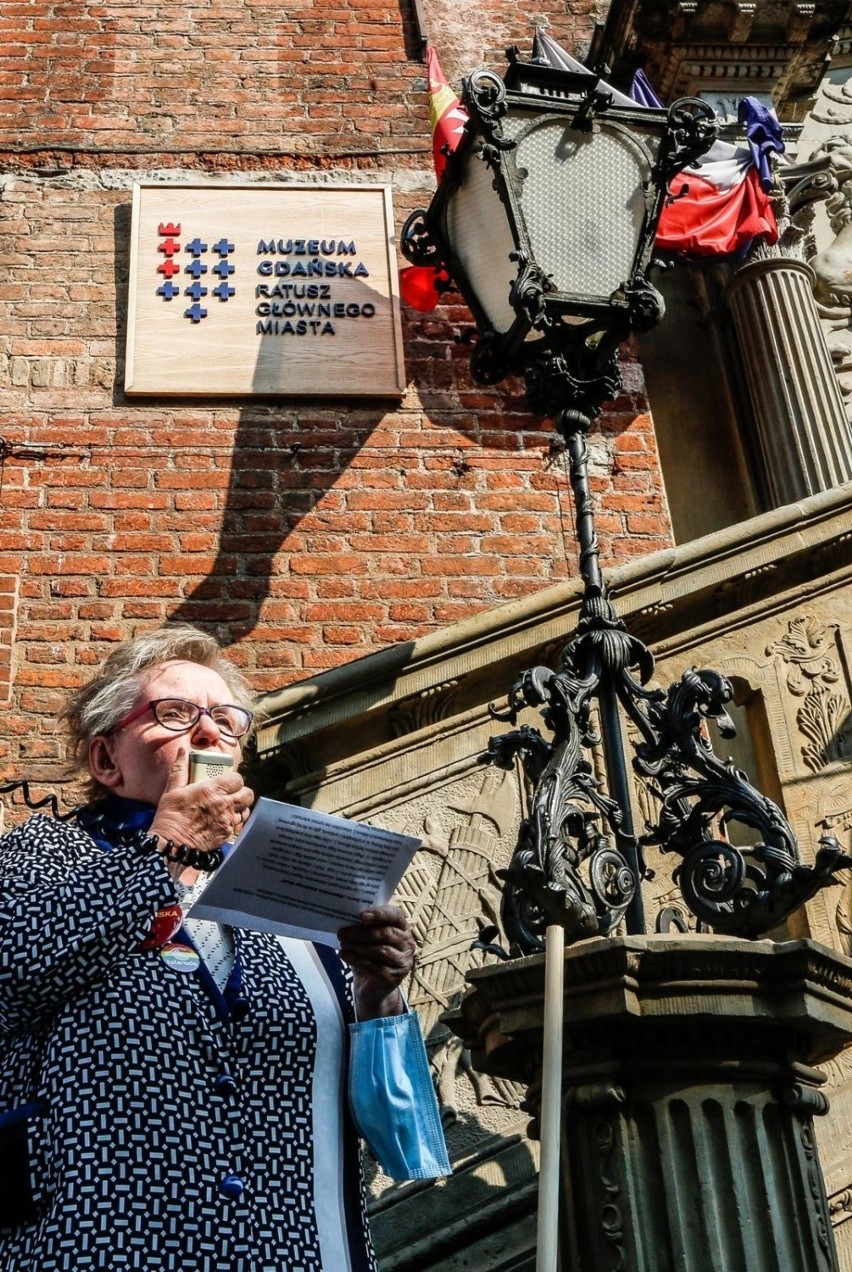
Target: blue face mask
392 1098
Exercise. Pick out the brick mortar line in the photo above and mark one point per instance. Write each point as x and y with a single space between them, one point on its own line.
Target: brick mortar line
263 451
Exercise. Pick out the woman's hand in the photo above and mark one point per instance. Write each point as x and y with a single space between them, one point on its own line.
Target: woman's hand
203 815
380 950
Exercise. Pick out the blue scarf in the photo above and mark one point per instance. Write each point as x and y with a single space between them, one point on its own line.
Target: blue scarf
115 820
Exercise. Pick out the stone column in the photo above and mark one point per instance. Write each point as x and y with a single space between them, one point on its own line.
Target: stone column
688 1096
803 435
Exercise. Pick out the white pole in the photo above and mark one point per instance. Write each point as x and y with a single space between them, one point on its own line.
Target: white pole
550 1120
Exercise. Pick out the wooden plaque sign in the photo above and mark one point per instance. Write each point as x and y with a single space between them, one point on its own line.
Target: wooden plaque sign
279 290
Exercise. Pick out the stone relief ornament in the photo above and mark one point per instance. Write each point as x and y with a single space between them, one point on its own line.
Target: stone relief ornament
809 650
423 709
834 106
836 820
753 586
843 920
840 1205
833 267
452 883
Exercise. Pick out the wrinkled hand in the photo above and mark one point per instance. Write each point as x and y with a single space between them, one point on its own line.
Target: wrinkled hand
203 815
380 951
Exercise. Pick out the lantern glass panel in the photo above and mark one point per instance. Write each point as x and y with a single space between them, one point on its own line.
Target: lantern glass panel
582 203
478 231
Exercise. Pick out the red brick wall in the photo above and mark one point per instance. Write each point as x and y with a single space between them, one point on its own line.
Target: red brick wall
307 533
8 619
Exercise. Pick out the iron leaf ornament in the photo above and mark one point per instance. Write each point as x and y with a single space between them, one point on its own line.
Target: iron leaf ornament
738 890
566 870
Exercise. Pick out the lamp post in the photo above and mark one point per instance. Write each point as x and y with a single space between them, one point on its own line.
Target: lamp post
545 220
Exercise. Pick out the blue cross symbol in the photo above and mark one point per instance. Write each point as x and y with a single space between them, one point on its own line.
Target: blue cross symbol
196 291
223 269
223 247
196 269
195 312
196 246
168 290
223 291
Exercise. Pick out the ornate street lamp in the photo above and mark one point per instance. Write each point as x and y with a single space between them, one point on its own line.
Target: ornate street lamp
545 219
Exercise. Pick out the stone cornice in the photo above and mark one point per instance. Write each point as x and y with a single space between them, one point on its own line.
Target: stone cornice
687 47
620 988
670 598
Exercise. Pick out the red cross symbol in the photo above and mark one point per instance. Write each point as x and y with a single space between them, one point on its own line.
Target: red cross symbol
169 247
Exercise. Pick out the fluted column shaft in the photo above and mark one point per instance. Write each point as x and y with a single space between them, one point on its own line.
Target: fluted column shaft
702 1172
688 1096
802 433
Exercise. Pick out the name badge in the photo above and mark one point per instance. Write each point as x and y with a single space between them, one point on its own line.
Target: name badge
180 958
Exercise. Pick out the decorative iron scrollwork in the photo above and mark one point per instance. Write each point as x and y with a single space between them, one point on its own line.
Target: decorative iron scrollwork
595 102
693 127
644 303
565 871
529 289
485 93
739 890
418 242
568 379
484 96
487 367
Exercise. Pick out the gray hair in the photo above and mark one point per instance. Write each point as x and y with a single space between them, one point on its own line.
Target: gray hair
99 705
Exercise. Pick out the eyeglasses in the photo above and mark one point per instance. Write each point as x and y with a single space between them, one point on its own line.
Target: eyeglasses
179 715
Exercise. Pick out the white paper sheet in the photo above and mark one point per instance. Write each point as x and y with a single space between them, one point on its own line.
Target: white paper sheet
303 873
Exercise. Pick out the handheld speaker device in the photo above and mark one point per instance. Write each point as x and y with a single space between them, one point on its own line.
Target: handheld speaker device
206 764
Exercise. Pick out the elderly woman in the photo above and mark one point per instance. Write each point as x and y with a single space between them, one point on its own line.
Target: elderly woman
171 1090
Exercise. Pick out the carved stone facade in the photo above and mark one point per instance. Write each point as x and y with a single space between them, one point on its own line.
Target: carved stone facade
769 605
828 132
720 49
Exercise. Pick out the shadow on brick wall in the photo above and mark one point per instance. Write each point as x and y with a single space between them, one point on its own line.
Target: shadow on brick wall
332 527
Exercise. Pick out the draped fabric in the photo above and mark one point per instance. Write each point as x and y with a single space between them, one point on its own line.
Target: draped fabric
717 209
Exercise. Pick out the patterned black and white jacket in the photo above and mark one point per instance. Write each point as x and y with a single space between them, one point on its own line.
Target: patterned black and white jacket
146 1123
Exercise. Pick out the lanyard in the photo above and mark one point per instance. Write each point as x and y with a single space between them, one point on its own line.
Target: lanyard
119 821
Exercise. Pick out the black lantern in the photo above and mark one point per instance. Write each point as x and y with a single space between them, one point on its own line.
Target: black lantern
546 215
545 220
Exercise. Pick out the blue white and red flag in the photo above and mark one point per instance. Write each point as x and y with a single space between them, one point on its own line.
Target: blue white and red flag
720 205
717 208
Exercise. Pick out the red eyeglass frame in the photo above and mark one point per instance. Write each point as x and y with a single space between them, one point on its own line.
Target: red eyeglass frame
154 702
